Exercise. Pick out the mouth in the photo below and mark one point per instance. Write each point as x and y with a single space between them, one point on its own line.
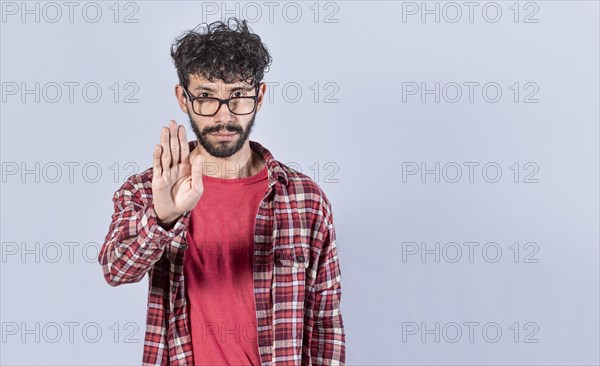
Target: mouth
223 136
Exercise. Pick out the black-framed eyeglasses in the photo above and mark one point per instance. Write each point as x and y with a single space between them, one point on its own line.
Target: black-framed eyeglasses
209 106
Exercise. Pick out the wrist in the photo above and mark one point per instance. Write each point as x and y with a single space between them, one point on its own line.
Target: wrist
166 221
167 225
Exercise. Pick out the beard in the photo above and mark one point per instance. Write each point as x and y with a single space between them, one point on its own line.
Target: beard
222 149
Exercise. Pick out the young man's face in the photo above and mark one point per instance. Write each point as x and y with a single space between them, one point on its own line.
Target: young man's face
237 127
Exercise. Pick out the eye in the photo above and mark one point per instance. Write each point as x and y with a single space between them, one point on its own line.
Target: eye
203 96
239 94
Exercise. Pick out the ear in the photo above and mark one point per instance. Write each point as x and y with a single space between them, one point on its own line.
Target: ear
181 98
262 89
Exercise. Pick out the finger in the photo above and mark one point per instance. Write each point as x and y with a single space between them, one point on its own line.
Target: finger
183 145
174 142
197 168
157 168
166 151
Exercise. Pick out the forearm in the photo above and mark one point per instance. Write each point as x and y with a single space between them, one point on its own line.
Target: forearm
329 339
135 240
328 345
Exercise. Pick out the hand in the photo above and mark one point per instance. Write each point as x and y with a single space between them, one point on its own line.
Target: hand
176 184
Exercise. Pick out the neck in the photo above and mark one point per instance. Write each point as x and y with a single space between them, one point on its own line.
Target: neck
243 164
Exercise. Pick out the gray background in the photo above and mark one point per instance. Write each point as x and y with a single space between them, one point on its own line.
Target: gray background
368 126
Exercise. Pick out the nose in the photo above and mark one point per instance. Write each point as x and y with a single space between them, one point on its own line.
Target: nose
224 115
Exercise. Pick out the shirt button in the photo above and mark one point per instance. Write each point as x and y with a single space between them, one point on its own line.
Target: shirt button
184 246
281 179
173 289
300 258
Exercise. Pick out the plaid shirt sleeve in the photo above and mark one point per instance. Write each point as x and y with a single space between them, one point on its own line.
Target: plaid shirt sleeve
134 241
328 340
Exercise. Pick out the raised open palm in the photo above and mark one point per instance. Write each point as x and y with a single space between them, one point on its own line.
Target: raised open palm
176 183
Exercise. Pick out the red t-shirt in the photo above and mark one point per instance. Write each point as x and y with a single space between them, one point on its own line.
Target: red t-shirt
218 271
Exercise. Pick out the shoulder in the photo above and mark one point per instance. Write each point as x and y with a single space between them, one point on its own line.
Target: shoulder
138 185
302 187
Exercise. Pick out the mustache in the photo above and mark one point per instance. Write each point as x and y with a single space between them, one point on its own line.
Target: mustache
223 128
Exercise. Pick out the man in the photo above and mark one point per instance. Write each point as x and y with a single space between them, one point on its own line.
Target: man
239 248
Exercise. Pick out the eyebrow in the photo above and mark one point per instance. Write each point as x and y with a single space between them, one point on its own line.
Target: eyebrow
211 88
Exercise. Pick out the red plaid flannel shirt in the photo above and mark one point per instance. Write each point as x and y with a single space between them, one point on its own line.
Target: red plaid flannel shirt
296 270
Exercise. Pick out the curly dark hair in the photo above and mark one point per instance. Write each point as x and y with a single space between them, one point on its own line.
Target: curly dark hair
219 51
